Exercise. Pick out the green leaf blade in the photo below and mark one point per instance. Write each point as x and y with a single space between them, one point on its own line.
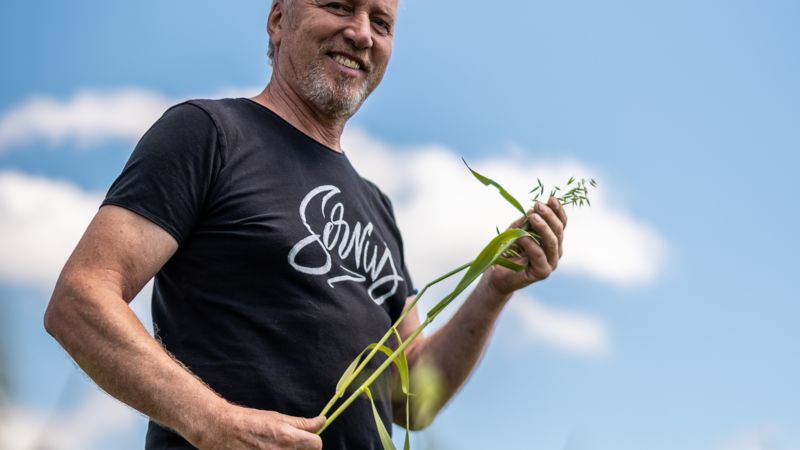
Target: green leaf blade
386 440
508 264
487 257
489 182
345 380
402 366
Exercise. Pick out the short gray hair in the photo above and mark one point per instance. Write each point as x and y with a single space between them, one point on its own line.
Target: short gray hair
287 7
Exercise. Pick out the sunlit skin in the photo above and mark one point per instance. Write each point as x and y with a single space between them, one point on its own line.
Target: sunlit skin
311 35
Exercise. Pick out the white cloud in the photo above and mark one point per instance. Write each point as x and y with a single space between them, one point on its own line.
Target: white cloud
567 330
446 215
96 417
41 221
765 437
89 116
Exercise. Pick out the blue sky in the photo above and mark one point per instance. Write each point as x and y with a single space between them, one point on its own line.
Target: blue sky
672 326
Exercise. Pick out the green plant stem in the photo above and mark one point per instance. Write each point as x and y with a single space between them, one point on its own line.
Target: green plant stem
419 295
526 226
389 333
376 373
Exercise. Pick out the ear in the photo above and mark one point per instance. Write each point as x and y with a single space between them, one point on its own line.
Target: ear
275 22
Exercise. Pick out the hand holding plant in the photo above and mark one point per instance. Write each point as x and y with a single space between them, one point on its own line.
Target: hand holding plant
539 259
530 259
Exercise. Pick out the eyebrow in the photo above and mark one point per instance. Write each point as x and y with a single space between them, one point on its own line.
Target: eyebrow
382 11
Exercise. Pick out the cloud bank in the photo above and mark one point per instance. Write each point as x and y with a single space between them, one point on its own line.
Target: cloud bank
445 215
565 330
89 117
41 221
96 417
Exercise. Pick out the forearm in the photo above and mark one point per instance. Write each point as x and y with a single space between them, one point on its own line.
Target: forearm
106 339
454 350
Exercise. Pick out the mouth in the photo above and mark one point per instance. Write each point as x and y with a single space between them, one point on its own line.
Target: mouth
347 61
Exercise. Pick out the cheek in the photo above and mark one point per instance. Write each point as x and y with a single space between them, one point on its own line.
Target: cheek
383 53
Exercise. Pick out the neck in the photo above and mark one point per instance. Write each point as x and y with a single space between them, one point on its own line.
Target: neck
279 97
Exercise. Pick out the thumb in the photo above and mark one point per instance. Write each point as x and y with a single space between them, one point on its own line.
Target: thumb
308 424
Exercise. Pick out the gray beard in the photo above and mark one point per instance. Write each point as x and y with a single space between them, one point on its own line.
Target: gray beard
335 97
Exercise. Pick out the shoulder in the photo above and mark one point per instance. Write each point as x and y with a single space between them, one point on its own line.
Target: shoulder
210 112
379 194
218 107
184 126
184 121
205 117
235 119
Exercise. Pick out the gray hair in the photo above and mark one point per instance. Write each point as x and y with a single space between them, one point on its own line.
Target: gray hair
287 7
287 10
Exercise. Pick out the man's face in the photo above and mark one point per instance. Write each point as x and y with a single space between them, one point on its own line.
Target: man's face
334 53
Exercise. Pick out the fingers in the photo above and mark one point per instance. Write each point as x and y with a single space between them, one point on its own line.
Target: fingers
311 425
301 431
546 224
303 440
548 221
538 265
518 223
558 208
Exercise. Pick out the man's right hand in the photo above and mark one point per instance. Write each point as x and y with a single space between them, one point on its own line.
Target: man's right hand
89 315
242 428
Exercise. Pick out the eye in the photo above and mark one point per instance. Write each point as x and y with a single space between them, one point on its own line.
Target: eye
337 7
382 26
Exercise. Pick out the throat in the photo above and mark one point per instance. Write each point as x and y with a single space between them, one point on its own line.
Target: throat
299 113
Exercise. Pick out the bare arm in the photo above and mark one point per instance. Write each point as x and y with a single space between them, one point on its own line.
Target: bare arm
447 357
89 315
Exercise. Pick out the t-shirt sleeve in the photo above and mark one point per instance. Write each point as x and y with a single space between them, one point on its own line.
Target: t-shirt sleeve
171 171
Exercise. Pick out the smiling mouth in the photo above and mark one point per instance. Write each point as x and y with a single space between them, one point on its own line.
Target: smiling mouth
345 61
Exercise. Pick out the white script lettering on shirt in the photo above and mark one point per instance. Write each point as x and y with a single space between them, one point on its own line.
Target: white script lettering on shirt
347 241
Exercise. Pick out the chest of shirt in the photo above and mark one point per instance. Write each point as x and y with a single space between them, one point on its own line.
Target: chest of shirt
300 215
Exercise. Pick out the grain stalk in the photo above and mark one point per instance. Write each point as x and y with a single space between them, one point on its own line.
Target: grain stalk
498 251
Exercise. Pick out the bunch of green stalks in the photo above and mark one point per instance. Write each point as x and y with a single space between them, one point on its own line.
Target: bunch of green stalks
498 251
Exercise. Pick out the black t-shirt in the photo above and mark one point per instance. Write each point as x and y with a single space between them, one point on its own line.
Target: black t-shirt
289 262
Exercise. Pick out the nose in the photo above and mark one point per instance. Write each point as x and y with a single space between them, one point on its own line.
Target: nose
358 31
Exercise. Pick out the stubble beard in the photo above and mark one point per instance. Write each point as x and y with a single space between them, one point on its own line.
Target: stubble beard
336 96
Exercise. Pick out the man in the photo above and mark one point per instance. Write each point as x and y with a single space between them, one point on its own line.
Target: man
275 262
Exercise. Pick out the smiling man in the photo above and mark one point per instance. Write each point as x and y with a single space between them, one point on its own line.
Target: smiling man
275 263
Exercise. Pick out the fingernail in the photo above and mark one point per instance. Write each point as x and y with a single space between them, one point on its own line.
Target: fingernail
537 218
540 206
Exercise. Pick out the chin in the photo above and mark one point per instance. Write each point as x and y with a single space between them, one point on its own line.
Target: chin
333 96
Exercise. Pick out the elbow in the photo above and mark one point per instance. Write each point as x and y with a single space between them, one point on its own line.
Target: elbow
49 320
418 424
61 314
421 416
54 315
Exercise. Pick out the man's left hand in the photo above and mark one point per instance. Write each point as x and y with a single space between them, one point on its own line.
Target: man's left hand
540 260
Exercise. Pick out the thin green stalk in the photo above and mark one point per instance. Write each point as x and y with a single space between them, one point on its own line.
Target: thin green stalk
438 280
389 333
496 252
358 370
485 259
375 374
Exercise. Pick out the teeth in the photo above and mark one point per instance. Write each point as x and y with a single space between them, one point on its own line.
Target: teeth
347 62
